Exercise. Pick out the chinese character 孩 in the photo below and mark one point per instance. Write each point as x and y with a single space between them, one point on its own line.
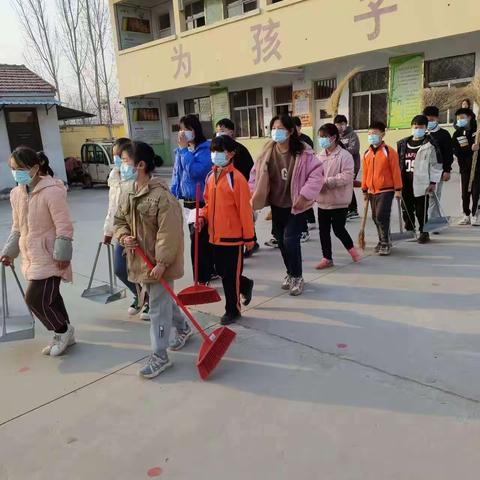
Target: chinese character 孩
376 10
184 62
266 41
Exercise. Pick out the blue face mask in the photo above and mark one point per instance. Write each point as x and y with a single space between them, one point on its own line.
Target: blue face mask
374 139
432 125
418 132
324 142
127 172
117 161
22 177
219 159
279 135
462 122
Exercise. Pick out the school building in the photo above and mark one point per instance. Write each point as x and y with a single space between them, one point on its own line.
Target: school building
252 59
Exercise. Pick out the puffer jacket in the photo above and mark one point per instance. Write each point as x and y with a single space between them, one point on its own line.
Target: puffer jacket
189 169
154 217
116 187
42 230
307 180
351 142
337 191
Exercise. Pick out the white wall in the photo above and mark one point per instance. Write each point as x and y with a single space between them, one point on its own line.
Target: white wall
6 179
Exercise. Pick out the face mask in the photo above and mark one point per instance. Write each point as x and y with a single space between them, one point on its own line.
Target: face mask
418 132
219 159
324 142
374 139
117 161
462 122
219 134
279 135
189 135
127 172
432 125
22 177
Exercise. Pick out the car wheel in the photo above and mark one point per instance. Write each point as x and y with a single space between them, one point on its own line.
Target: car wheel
87 181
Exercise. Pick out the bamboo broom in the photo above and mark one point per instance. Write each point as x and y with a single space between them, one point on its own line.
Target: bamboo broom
334 100
474 93
361 233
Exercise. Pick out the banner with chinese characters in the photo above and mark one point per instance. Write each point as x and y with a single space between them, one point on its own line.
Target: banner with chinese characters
405 90
302 106
145 120
134 26
220 104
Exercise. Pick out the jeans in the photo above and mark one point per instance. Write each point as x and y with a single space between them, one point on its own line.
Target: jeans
120 269
287 229
164 313
336 219
381 204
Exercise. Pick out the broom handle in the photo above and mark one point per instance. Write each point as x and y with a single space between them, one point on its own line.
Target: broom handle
474 164
197 214
399 201
365 214
166 286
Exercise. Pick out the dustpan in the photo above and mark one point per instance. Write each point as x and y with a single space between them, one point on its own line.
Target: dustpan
107 292
14 327
402 234
436 223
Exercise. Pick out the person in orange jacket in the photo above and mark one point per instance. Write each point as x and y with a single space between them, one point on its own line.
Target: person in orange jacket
229 215
381 181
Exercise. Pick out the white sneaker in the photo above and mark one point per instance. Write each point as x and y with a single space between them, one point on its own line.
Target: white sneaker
312 226
135 307
476 220
287 283
296 287
465 220
305 237
60 342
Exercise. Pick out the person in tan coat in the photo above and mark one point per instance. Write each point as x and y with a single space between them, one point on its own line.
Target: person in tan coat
150 217
42 232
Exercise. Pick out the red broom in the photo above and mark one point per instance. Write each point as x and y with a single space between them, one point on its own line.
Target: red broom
198 294
214 346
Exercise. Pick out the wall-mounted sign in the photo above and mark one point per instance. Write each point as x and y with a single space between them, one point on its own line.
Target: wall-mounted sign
134 26
302 106
145 120
220 104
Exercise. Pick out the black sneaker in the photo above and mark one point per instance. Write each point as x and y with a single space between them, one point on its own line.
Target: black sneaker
272 243
352 215
247 296
249 253
377 248
229 318
424 237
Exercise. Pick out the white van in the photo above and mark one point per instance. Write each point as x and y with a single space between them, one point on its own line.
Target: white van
97 161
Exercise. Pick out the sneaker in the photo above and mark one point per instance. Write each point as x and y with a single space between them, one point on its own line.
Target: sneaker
287 283
54 341
249 253
312 226
135 307
377 248
385 250
424 237
465 220
324 263
272 243
145 315
247 296
352 215
296 287
229 318
476 220
181 338
305 237
61 341
154 366
354 254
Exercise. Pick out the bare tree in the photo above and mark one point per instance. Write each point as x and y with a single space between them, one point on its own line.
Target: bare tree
40 36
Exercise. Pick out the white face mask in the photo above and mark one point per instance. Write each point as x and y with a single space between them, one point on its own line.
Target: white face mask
189 135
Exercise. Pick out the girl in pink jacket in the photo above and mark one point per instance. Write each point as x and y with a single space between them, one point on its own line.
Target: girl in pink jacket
336 193
42 232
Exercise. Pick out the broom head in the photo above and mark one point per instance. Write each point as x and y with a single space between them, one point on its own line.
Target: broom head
213 350
198 295
361 239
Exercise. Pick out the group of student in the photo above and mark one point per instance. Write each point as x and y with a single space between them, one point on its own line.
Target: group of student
288 177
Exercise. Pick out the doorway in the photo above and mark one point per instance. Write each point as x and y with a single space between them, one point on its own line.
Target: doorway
23 128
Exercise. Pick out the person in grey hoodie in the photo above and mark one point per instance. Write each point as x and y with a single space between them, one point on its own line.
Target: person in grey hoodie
351 142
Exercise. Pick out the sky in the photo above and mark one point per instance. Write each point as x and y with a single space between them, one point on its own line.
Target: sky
11 38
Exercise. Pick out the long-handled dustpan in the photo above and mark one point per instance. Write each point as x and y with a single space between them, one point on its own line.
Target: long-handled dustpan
198 294
214 346
436 223
402 234
14 327
107 292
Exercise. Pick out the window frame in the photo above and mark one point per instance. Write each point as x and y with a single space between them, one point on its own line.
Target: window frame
241 3
194 17
283 104
260 117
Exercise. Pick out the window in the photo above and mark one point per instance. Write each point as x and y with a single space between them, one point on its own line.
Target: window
195 14
368 98
201 107
323 90
164 25
247 112
450 72
282 97
239 7
172 110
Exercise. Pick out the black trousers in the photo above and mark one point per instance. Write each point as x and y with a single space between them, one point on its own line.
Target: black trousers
229 265
412 206
353 207
44 300
205 254
309 218
474 195
333 219
381 204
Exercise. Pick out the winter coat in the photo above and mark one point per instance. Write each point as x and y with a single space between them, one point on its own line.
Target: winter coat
116 187
42 230
462 141
427 169
227 208
307 180
154 217
189 169
338 168
351 142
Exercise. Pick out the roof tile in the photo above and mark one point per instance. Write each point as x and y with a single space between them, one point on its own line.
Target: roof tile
19 79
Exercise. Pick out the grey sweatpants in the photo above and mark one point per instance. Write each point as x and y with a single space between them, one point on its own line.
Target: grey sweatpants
163 314
433 210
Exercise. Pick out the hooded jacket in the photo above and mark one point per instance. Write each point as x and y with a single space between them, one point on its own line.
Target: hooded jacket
351 142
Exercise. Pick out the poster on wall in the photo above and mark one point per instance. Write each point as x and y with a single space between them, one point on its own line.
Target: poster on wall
145 120
405 90
220 105
302 106
134 26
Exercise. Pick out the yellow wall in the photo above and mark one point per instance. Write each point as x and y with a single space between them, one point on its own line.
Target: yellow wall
74 136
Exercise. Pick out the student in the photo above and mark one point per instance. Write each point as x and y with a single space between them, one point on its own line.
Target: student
288 177
351 142
192 165
229 216
336 194
443 140
43 233
421 172
381 181
150 217
466 103
464 144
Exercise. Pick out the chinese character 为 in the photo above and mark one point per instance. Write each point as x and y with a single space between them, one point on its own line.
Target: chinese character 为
375 13
184 62
266 41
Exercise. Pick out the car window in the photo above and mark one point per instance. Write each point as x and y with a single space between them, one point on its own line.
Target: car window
91 154
100 156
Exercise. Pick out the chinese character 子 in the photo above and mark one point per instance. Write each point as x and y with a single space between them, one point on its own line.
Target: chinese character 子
266 41
376 11
184 61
